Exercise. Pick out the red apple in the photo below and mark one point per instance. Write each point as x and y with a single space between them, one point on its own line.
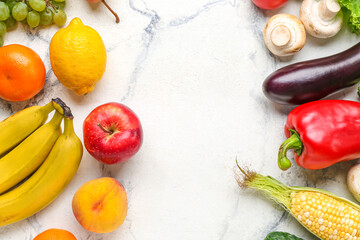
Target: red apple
112 133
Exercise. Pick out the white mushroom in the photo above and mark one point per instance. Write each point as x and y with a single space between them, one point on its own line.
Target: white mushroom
353 181
321 18
284 35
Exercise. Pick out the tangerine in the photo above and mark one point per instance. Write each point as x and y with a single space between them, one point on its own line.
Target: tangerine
22 73
55 234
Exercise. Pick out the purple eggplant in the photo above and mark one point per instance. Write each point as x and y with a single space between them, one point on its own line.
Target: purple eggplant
315 79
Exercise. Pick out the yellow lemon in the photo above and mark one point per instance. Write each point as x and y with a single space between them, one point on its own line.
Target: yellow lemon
78 57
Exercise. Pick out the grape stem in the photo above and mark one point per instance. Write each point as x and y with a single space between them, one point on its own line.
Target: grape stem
49 4
108 7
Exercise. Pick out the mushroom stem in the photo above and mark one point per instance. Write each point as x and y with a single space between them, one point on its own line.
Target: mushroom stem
280 36
284 35
328 9
321 18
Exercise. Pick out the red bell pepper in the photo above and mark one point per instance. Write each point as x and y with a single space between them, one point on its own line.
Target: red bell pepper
322 133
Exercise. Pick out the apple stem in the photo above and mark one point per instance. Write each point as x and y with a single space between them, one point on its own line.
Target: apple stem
108 7
105 130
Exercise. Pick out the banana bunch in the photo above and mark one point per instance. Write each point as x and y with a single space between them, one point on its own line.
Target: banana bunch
42 153
17 127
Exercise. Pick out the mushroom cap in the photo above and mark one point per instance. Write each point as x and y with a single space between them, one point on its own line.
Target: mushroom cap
321 18
284 35
353 181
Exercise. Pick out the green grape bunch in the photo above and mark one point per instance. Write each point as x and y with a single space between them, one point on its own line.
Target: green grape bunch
32 12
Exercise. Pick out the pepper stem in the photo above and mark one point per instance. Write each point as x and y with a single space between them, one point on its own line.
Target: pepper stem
358 92
293 142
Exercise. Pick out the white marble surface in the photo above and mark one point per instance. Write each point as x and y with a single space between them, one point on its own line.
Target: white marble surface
192 71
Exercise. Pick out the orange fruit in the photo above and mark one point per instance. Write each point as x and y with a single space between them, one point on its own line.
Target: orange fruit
55 234
22 73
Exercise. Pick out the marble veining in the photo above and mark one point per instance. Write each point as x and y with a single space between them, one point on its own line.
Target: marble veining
147 38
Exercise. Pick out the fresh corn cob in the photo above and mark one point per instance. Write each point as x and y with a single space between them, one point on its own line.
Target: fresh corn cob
324 214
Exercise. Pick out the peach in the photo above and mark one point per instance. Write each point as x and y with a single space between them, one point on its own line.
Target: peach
100 205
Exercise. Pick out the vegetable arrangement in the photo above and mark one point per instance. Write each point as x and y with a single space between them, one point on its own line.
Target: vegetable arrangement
324 214
320 18
315 79
322 133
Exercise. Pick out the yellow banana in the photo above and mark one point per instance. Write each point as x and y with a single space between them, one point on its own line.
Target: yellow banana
29 154
47 182
17 127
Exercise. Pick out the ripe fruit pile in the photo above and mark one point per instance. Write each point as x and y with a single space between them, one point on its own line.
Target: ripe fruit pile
32 12
38 160
28 148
